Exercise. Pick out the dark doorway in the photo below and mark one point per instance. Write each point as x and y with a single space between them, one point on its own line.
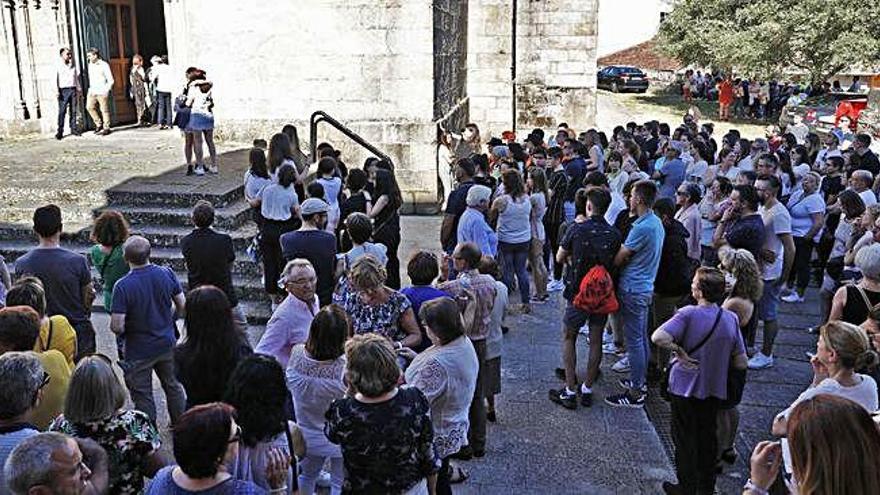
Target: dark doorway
151 28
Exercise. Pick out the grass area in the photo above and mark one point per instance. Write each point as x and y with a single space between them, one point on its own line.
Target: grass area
663 105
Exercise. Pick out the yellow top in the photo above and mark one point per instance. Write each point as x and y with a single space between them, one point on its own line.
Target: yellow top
62 338
54 393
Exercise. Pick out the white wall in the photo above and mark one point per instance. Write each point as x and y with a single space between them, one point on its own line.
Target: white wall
624 23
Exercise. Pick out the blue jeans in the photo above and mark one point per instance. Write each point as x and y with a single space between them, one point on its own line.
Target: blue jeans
513 261
163 108
66 104
634 310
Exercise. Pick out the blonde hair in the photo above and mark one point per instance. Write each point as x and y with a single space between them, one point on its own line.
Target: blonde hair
371 365
741 263
94 393
851 344
367 273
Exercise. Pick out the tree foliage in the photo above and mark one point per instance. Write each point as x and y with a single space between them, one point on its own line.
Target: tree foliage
766 38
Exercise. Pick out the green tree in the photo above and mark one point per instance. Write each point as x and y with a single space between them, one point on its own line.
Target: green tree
767 38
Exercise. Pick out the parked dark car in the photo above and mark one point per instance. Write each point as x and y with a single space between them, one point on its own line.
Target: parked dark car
619 78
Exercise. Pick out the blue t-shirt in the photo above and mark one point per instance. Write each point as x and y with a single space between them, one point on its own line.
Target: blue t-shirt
645 239
144 296
64 274
673 175
163 484
417 295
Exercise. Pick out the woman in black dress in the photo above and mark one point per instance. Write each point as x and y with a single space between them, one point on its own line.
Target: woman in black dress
386 219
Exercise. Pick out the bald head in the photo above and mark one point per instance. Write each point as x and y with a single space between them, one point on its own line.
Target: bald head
136 250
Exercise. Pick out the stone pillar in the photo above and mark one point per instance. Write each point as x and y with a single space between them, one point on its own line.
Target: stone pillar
489 85
29 62
13 80
557 64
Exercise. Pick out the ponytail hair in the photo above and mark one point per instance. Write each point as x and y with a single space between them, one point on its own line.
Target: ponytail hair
851 343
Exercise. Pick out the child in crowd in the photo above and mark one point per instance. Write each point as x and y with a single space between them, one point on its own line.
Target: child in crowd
492 383
422 270
315 190
327 167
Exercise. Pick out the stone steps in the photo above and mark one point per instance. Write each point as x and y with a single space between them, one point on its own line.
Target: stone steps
226 218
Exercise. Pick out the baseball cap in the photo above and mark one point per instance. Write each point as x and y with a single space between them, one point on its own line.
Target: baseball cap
314 205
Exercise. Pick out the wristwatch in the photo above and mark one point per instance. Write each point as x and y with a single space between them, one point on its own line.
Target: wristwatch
751 486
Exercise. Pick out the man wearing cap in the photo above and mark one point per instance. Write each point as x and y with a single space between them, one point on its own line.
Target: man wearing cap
313 243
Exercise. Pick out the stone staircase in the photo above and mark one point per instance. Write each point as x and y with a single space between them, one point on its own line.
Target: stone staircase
159 208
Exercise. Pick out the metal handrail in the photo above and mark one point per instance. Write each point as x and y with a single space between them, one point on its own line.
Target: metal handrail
321 116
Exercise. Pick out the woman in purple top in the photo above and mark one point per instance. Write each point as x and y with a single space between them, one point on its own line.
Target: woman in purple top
706 342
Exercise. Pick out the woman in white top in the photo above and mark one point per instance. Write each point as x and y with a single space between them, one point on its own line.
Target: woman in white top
513 211
537 188
280 154
279 207
332 189
314 378
201 123
842 348
687 200
595 154
255 179
807 209
446 373
726 166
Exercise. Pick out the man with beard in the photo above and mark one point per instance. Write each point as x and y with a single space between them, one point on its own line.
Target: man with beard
778 241
313 243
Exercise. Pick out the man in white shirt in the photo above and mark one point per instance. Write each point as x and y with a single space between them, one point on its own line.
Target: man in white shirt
166 84
100 88
67 84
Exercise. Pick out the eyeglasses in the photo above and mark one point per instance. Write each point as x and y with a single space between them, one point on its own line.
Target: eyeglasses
46 380
236 437
681 193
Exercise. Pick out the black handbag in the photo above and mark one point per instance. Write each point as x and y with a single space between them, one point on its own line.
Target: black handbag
664 380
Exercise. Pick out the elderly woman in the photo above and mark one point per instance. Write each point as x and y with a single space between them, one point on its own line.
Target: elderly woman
258 393
472 226
95 409
853 303
447 374
841 349
206 440
379 421
807 209
289 324
687 200
744 287
375 308
824 427
315 379
706 342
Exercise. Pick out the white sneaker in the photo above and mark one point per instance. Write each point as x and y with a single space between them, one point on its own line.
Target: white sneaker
323 479
759 362
621 366
213 170
607 338
794 297
609 348
199 170
555 286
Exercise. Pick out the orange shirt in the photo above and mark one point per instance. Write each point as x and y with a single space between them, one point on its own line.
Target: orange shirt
725 92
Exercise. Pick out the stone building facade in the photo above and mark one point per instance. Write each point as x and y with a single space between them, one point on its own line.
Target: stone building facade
391 70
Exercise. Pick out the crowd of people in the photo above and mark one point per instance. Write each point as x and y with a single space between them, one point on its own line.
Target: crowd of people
367 386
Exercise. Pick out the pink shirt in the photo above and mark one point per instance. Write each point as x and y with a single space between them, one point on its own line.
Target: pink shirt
288 326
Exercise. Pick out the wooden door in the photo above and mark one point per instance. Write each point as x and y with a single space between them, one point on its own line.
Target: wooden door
122 45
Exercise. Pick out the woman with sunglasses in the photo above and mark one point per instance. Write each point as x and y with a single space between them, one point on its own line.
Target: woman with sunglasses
206 439
95 409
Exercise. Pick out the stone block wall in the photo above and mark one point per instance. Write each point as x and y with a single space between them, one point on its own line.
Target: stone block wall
367 63
489 59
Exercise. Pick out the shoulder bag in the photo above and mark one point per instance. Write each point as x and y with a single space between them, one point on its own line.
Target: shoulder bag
664 380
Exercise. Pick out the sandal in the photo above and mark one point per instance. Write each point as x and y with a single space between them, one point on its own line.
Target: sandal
457 475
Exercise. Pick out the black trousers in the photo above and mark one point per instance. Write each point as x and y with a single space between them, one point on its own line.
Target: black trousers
800 274
444 484
696 445
389 235
66 103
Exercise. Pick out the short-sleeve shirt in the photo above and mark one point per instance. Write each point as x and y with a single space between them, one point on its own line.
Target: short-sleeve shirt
208 256
277 202
747 233
111 267
332 187
690 325
128 436
145 297
645 239
673 175
456 204
801 208
64 274
163 484
777 222
383 319
319 247
253 184
56 333
591 242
